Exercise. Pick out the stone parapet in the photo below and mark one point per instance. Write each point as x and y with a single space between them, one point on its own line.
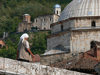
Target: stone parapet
14 67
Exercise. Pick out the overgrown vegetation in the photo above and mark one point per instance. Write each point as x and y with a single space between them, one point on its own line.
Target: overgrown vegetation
37 42
11 12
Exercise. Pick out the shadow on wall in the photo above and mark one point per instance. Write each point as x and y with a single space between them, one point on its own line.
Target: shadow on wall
62 48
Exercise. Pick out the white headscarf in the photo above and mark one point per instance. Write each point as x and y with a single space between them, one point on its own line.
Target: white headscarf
25 35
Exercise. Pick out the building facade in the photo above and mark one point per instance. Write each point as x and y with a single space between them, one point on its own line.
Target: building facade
44 22
41 22
78 26
26 24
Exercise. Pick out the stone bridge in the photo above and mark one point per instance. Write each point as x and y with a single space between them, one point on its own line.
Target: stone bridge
14 67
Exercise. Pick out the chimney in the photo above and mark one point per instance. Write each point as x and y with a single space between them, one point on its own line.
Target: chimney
97 53
27 18
97 50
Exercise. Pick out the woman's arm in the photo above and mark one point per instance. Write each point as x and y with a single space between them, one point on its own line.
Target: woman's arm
30 52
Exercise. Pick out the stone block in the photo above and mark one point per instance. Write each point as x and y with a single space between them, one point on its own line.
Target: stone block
11 65
2 63
24 68
14 67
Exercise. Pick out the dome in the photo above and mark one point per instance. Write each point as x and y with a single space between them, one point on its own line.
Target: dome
57 6
81 8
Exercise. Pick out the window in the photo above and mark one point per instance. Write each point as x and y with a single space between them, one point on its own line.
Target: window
50 26
36 27
57 11
44 28
61 27
93 46
50 19
36 20
93 24
92 43
43 19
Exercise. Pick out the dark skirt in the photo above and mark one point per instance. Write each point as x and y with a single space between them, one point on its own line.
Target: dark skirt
23 60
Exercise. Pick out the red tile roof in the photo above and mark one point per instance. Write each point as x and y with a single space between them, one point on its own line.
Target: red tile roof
2 43
82 61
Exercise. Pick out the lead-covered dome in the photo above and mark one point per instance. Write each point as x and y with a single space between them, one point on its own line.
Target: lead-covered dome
81 8
57 6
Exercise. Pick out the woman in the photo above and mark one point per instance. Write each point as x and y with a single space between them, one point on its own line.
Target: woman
23 52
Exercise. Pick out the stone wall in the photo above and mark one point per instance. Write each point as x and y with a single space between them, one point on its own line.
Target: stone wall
81 39
55 18
24 26
53 58
14 67
59 39
86 22
56 28
76 40
75 23
43 22
66 25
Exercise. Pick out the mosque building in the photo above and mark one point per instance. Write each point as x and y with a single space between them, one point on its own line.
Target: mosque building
77 27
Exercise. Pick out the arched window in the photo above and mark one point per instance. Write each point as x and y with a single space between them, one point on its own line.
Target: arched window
43 19
36 27
50 19
93 45
57 11
61 27
36 20
93 24
44 28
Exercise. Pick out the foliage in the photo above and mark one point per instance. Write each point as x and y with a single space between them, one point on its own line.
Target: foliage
37 41
11 47
11 12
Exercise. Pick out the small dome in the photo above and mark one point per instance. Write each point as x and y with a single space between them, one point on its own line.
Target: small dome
57 6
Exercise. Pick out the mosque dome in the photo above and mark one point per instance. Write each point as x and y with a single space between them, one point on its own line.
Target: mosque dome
57 6
81 8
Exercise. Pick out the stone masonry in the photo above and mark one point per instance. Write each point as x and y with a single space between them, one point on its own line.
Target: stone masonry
14 67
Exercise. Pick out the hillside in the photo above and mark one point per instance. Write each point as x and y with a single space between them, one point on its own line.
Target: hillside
11 11
37 44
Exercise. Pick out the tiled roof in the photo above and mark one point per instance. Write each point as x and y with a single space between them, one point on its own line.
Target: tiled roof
2 43
78 62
